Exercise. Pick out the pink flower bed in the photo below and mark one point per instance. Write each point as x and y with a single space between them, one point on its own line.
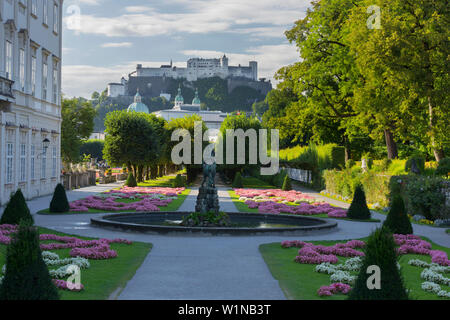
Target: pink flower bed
149 201
5 231
272 203
316 254
333 289
62 284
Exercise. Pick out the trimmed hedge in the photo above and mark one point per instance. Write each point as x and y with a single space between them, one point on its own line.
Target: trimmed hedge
287 184
397 220
312 157
380 251
358 209
131 181
16 210
237 182
59 203
26 276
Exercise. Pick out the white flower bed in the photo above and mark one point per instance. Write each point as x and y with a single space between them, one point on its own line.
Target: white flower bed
432 275
52 259
342 277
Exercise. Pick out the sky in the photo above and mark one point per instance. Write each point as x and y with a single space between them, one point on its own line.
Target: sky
103 40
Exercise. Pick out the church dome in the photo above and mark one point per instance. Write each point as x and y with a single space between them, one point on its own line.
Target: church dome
196 100
138 105
179 98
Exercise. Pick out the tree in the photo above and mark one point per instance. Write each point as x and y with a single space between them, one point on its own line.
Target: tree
59 201
327 74
26 276
16 210
358 209
287 186
188 123
380 252
244 123
93 147
77 124
131 181
131 139
397 220
405 65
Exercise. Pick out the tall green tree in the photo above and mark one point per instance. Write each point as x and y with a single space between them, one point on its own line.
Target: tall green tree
77 125
131 139
405 68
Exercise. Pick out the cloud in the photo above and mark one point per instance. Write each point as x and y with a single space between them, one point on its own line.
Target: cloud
201 17
82 80
117 45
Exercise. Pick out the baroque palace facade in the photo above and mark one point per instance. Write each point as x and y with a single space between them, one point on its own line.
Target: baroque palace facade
30 99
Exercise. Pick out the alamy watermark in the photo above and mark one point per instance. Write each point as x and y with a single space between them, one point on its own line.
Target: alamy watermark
257 142
374 280
374 21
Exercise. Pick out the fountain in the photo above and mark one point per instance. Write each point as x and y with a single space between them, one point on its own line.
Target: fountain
208 220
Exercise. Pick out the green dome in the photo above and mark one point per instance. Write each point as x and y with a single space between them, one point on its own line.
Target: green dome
137 105
196 100
179 97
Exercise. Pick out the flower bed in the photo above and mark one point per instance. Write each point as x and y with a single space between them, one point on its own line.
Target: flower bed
326 259
278 201
80 251
141 199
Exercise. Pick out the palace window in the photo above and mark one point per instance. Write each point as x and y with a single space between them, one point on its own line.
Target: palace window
23 153
55 82
34 7
33 76
45 16
22 68
44 78
32 158
54 162
43 165
9 59
9 162
55 18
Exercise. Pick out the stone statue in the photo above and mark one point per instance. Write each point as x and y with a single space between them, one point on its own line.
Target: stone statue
207 199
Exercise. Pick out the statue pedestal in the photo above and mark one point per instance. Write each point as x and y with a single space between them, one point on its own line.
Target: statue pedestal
207 200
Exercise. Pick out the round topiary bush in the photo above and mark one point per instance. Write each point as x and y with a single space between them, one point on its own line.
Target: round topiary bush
287 186
237 182
380 251
26 276
443 167
16 210
397 220
59 201
131 181
358 209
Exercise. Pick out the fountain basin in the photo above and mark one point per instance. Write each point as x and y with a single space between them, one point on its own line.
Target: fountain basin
243 224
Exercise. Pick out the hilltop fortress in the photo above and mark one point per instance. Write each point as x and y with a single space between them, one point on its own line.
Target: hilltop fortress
153 82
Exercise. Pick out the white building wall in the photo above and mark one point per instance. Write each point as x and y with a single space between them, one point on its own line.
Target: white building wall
31 118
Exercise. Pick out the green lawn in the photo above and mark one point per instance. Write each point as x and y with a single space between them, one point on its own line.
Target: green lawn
301 282
242 207
165 181
104 276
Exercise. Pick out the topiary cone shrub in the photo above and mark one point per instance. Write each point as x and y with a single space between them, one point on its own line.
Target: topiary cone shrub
358 209
237 182
26 276
178 182
397 220
59 201
131 181
287 186
16 210
380 251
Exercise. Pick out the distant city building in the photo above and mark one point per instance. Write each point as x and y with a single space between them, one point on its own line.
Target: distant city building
153 81
212 119
30 93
